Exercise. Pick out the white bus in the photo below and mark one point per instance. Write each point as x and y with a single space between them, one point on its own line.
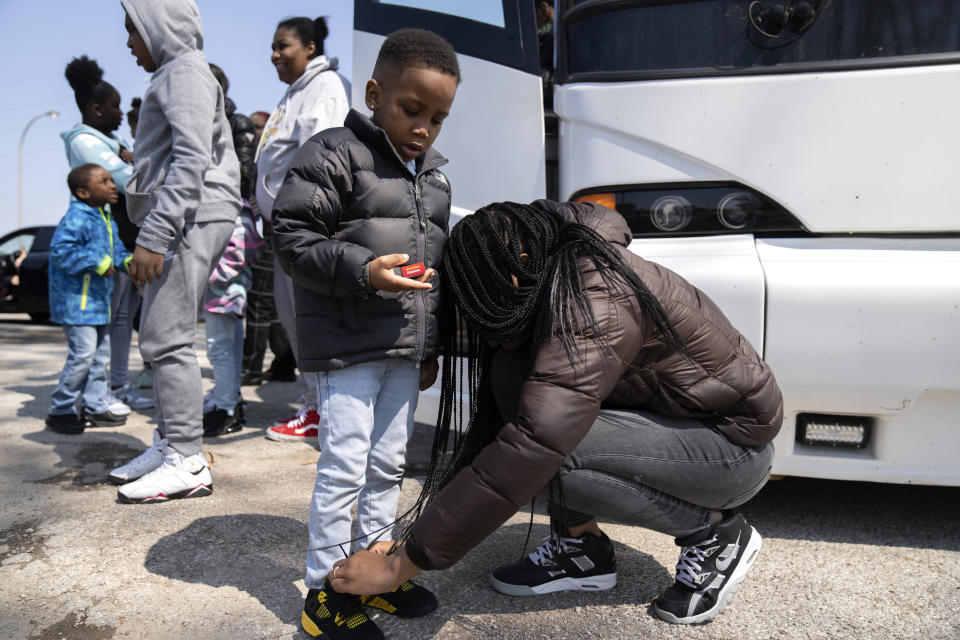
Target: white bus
797 161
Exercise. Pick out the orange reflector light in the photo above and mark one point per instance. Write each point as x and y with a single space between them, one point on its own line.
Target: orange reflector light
608 200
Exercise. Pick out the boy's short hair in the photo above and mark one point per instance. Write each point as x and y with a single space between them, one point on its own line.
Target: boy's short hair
79 177
417 48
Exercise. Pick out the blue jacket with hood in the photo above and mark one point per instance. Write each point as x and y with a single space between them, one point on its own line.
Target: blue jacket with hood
84 246
185 169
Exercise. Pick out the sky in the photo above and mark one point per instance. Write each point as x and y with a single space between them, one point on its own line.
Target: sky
41 38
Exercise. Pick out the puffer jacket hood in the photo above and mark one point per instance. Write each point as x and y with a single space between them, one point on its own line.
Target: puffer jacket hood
169 28
718 379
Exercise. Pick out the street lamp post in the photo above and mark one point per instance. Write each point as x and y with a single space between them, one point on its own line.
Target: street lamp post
52 114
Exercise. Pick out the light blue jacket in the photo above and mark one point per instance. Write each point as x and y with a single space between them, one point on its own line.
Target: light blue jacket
84 246
88 145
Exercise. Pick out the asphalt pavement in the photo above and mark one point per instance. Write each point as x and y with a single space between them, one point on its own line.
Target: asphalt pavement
839 559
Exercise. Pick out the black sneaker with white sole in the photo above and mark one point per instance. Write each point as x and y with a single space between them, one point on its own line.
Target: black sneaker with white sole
712 564
586 563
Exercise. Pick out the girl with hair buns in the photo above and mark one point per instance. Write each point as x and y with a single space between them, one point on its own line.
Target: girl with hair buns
603 382
94 141
315 100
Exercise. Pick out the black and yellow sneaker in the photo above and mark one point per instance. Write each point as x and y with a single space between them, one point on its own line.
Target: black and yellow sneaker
409 600
328 614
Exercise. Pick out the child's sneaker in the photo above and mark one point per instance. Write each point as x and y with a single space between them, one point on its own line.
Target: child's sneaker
409 600
177 476
143 463
220 422
333 615
302 427
115 405
129 396
712 564
586 563
106 419
67 423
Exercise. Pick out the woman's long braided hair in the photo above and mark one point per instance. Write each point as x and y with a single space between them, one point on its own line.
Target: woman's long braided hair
482 305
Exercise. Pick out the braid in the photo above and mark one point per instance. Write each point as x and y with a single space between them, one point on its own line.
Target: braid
482 304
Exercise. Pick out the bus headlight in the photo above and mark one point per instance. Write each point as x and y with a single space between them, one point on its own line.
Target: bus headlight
671 213
738 210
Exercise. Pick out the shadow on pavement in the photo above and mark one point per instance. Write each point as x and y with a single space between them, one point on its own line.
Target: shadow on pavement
262 555
259 554
858 513
85 460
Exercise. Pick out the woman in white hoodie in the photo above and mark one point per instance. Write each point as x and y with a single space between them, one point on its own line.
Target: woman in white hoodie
315 100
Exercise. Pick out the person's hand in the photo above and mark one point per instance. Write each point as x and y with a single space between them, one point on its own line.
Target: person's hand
126 155
146 266
383 278
109 272
428 373
368 572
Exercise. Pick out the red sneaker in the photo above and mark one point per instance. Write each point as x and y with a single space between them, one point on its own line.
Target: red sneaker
301 427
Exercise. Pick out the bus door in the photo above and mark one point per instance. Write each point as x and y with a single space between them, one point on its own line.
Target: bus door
494 136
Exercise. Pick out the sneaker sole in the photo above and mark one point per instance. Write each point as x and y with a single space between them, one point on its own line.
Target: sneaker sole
200 491
281 437
379 603
601 582
105 423
750 554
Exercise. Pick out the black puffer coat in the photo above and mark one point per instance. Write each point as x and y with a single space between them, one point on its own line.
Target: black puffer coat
347 199
245 144
720 380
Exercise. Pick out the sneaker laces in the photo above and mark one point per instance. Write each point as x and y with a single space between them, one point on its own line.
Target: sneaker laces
552 546
690 563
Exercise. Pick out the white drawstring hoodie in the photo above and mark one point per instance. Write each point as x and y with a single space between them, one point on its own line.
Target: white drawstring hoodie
315 101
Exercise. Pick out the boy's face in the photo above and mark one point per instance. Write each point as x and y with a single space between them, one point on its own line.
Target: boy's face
138 47
410 107
100 189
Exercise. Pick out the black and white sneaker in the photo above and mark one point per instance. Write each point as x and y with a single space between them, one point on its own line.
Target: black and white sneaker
560 564
712 564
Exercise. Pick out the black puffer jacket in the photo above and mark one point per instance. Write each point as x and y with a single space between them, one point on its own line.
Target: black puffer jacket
245 144
347 199
720 380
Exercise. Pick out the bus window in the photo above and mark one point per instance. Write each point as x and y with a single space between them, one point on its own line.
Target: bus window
720 37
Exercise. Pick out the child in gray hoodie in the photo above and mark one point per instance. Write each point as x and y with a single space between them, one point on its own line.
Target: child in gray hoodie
185 196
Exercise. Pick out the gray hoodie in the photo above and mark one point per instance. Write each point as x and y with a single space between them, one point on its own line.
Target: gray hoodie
184 166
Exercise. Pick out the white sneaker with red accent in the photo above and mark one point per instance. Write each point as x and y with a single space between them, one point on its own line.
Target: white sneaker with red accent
177 476
302 427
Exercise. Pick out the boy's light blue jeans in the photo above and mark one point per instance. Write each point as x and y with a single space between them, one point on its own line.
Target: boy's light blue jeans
85 371
225 353
366 418
124 307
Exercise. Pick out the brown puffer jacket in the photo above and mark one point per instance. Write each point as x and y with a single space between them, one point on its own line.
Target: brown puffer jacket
720 380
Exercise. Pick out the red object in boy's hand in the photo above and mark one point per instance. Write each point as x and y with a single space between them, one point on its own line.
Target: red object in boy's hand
413 270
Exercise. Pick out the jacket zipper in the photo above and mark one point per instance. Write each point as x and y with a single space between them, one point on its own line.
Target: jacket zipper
106 219
419 295
86 287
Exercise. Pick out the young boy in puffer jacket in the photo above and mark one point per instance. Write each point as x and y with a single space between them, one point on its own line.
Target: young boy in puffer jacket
84 253
359 202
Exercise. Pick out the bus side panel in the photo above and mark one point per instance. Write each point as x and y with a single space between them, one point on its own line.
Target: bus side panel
870 327
848 151
494 135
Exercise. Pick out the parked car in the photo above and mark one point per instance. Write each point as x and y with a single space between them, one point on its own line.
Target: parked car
31 295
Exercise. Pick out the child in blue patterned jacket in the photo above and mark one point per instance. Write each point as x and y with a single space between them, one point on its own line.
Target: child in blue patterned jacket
84 253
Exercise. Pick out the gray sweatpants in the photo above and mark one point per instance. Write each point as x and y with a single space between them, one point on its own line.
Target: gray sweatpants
641 468
168 328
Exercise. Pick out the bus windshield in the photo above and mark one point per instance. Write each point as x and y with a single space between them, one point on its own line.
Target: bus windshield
719 37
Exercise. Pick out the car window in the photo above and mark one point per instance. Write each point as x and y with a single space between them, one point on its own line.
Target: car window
15 243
